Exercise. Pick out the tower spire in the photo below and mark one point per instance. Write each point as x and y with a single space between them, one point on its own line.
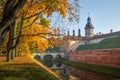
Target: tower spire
89 28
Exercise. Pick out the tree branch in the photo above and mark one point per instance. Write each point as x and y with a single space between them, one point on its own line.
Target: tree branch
10 18
40 34
20 32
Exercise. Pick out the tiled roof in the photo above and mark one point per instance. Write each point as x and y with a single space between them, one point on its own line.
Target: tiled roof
72 37
95 37
106 35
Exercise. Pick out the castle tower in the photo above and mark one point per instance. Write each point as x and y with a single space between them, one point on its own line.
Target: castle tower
89 29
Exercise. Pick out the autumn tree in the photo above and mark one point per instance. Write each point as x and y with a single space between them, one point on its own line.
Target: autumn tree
19 18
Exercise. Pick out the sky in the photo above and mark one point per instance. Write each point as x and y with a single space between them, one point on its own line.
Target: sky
105 15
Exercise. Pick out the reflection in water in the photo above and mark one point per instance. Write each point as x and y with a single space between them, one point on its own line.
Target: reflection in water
58 63
90 75
60 69
48 63
65 73
71 73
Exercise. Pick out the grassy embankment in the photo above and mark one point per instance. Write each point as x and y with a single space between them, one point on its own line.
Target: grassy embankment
96 68
25 68
104 44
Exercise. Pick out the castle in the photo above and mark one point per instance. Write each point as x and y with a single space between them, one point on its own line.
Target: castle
89 37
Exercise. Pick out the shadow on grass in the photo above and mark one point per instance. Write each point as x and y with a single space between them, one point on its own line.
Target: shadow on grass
24 72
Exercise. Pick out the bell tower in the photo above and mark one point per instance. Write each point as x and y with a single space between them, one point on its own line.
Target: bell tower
89 29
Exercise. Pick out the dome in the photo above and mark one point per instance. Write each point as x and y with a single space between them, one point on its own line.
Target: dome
89 24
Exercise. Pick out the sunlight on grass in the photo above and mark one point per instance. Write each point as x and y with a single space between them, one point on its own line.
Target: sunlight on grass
25 68
40 64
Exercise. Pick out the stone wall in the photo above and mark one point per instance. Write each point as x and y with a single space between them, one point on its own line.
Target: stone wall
108 57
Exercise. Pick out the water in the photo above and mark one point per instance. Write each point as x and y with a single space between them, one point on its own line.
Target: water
72 73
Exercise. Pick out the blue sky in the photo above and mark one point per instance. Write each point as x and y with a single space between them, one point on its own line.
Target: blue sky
105 15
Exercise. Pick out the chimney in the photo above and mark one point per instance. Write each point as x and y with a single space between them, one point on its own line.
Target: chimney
68 33
111 31
79 33
97 33
73 32
100 33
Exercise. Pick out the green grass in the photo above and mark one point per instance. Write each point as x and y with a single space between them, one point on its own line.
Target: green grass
96 68
104 44
24 72
23 68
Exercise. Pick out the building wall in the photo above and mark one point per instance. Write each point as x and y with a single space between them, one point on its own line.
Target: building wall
82 42
95 40
73 45
89 32
100 39
108 57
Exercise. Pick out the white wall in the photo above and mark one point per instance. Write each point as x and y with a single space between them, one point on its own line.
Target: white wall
96 40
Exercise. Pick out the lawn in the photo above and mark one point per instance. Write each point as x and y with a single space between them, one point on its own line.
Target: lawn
25 68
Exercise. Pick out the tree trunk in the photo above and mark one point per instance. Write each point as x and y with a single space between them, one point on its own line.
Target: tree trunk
13 54
8 56
10 43
9 15
16 53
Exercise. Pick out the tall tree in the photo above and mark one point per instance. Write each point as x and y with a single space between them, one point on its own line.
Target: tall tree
20 15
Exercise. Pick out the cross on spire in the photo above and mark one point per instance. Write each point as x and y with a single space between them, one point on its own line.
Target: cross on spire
88 14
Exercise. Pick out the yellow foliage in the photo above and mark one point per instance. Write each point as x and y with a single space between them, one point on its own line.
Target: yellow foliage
42 44
36 33
44 6
23 48
63 11
53 42
4 46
